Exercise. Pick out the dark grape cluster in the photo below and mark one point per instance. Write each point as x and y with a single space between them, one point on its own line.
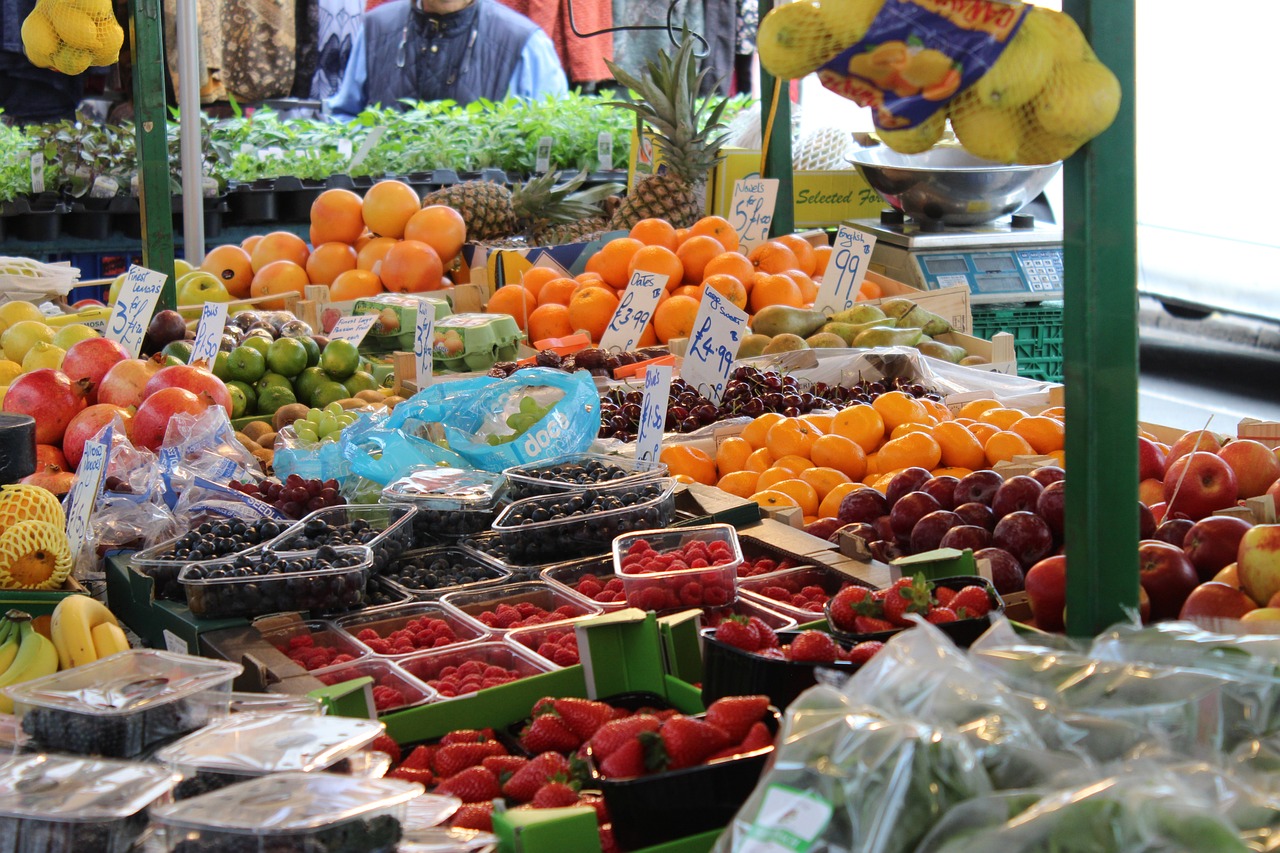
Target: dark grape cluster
32 835
432 524
593 359
440 568
113 735
215 539
574 473
295 497
589 520
387 544
271 582
373 835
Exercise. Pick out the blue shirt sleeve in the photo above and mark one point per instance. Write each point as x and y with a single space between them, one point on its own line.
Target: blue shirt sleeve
538 72
349 100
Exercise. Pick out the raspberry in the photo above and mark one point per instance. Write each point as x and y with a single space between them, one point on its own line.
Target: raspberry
528 608
343 659
715 596
565 657
385 697
639 546
590 587
301 641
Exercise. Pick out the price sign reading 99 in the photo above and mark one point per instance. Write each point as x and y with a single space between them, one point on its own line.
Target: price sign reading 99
751 212
718 329
424 335
847 267
634 311
653 411
134 307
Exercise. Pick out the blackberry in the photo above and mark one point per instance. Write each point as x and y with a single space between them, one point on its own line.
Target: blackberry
301 582
425 572
595 518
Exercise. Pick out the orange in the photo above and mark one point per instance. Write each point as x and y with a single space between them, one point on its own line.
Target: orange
803 250
759 461
791 436
591 309
557 291
279 246
728 287
1043 434
411 266
335 217
388 205
808 287
772 256
861 424
690 461
805 495
903 429
823 479
869 290
549 321
1001 418
821 257
899 408
757 431
657 259
363 240
587 277
829 507
232 266
794 461
774 474
953 471
1054 412
250 243
913 450
731 454
371 254
768 289
516 300
695 253
717 227
655 232
674 318
982 432
939 411
682 234
648 338
729 263
592 282
740 483
821 421
275 278
840 453
960 447
1060 456
440 227
1005 445
614 260
534 277
692 291
973 408
769 499
329 260
354 284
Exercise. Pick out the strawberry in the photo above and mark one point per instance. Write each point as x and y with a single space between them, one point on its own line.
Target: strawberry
548 732
420 758
971 602
758 738
871 625
554 795
596 802
526 781
607 842
736 714
583 716
386 743
814 647
944 595
473 785
625 762
863 652
616 733
738 632
457 757
474 816
940 615
466 736
768 639
686 741
907 595
413 774
849 603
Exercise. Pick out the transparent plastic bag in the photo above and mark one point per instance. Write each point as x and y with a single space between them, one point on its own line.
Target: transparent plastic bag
205 500
310 460
204 445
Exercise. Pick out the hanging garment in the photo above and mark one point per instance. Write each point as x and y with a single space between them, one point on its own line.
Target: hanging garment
260 53
748 23
307 18
721 34
209 21
582 58
632 49
339 22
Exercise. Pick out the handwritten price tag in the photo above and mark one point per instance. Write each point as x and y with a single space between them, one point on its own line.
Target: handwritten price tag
352 328
424 335
604 151
752 210
653 411
85 489
717 333
375 136
847 267
134 307
213 320
634 311
543 158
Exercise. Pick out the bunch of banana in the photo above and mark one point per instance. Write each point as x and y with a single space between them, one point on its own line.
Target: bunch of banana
84 630
25 654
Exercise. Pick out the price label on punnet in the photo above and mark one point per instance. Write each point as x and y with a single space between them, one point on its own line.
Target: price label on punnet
634 311
718 330
653 411
424 335
751 212
134 307
352 328
846 268
213 320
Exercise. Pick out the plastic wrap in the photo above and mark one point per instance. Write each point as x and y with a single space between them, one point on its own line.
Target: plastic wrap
204 445
310 460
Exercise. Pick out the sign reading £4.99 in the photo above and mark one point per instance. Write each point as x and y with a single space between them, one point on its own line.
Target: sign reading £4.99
134 306
718 330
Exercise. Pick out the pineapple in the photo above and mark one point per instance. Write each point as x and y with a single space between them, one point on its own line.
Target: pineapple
688 137
485 206
537 211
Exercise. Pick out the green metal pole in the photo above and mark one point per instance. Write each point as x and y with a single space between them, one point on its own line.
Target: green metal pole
777 159
1101 344
150 113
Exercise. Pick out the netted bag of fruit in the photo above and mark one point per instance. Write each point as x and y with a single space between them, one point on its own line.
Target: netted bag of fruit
71 35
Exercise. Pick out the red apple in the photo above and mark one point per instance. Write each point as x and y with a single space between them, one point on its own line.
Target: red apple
1158 511
1167 575
1212 543
1174 530
1047 474
1196 440
1025 535
864 504
1150 460
822 527
1198 483
1216 600
904 482
1151 492
1006 575
885 552
1258 562
1016 494
942 489
1274 492
1052 507
909 509
862 530
968 536
929 530
978 486
978 514
1255 465
1146 522
1046 585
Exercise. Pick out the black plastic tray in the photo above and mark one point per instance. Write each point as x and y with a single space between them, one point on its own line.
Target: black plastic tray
730 671
962 632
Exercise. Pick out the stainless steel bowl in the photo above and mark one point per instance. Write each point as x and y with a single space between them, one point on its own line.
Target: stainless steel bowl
949 184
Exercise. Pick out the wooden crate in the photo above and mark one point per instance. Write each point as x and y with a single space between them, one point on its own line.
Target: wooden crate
950 303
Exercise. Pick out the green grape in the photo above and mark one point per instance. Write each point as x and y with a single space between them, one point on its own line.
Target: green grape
314 416
328 423
306 433
334 409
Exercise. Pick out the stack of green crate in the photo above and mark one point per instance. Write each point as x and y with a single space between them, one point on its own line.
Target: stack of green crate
1037 335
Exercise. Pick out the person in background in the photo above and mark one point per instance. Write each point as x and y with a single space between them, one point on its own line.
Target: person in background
460 50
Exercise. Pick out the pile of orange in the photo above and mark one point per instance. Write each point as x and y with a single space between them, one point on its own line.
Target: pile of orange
386 241
814 460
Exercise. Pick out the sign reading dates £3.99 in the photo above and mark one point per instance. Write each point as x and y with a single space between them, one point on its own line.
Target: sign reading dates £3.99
718 330
634 311
653 411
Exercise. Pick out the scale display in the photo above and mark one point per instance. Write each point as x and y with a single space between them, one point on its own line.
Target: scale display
1014 275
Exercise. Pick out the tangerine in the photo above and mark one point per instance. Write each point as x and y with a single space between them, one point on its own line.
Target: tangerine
805 495
861 424
371 254
1043 434
279 246
388 206
690 461
772 256
717 227
329 260
655 232
657 259
841 453
591 309
960 447
354 284
794 461
231 265
251 242
732 453
756 432
791 437
803 250
534 277
973 408
913 450
823 479
440 227
411 266
821 257
739 483
808 287
674 318
1001 417
614 261
760 460
516 300
769 289
982 432
770 499
692 291
821 421
558 291
897 407
772 475
829 507
336 218
278 277
695 253
549 321
729 263
727 286
1005 445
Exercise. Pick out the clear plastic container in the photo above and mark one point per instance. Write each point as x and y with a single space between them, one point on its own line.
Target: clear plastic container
314 644
289 811
386 529
800 592
490 544
274 703
393 688
122 705
555 643
594 572
713 585
475 342
458 672
582 524
451 502
429 573
245 746
160 562
409 618
522 604
329 590
577 472
743 606
88 805
381 594
754 551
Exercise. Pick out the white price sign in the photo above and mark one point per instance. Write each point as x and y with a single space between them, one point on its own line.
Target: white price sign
352 328
653 411
85 489
543 163
634 311
37 172
375 135
213 320
134 307
846 268
751 212
604 151
718 329
424 335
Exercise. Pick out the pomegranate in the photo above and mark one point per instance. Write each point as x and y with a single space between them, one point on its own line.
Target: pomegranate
51 398
52 478
153 415
91 359
123 384
48 454
197 380
86 425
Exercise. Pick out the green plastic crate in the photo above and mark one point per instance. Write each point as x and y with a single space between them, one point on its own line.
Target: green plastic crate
1037 335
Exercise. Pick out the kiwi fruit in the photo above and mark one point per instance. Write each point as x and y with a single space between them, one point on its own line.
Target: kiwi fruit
267 440
368 397
353 403
256 429
287 414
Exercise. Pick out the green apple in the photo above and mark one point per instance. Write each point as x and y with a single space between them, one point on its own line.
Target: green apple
197 288
114 291
181 267
73 334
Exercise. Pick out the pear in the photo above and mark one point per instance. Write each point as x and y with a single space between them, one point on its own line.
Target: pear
784 343
972 360
784 320
849 331
863 313
825 340
897 306
925 320
945 352
881 337
753 345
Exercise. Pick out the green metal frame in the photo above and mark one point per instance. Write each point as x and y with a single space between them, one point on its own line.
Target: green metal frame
778 157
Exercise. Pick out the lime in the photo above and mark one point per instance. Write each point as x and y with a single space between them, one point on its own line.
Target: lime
274 380
328 392
304 385
339 359
257 342
180 350
250 395
273 397
359 381
220 366
171 361
246 364
287 356
239 402
313 351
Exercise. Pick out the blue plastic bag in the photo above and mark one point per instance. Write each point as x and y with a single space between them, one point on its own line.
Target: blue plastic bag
374 449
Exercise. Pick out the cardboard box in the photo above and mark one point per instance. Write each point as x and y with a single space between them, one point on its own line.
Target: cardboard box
507 266
822 199
949 303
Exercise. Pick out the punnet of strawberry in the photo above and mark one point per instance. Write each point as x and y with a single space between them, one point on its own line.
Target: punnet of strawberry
674 569
961 607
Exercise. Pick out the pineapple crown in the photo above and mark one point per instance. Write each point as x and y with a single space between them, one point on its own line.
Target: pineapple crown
541 201
689 133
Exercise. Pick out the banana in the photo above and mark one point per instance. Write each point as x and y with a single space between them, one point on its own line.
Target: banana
36 658
72 628
109 639
8 644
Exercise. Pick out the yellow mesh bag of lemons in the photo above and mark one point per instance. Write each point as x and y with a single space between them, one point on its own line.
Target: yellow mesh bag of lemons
71 35
1046 94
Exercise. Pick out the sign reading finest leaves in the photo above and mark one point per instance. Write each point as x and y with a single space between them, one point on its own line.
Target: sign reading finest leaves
718 330
213 320
134 307
653 411
751 211
424 334
846 268
352 328
634 311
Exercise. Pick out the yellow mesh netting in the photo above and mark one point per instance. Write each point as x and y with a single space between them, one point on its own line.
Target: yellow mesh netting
34 555
71 35
29 503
